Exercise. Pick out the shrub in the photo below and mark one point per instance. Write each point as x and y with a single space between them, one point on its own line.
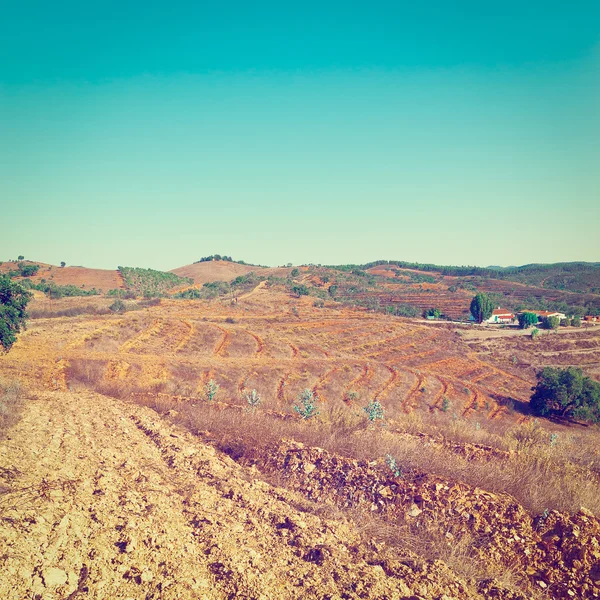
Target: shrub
300 290
436 313
445 404
118 306
576 322
374 411
295 273
306 404
566 393
550 322
63 263
535 333
211 389
252 399
13 302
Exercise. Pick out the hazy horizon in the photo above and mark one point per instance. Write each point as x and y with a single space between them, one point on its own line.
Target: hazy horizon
149 136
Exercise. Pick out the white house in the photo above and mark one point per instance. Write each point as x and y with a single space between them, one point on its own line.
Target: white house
501 315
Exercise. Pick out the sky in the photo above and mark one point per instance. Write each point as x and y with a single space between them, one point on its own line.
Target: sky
151 133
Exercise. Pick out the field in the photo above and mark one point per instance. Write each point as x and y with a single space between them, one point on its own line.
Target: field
457 491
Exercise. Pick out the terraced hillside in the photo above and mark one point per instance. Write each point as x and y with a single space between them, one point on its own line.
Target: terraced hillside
453 489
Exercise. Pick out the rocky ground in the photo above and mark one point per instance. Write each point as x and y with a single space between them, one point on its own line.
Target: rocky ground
101 499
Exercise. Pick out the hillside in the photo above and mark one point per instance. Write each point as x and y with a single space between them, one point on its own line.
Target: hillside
221 270
100 279
124 480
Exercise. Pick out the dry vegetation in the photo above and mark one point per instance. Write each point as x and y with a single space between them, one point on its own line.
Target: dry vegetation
456 415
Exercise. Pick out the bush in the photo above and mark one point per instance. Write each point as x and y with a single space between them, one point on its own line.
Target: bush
306 404
535 333
118 306
295 273
300 290
436 313
211 389
13 302
566 393
576 322
550 322
527 319
374 411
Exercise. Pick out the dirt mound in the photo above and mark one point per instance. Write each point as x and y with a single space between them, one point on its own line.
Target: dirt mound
557 552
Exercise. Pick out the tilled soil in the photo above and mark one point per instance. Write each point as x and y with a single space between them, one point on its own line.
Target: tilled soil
101 499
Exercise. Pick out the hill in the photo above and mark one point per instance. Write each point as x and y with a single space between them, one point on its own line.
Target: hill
100 279
124 479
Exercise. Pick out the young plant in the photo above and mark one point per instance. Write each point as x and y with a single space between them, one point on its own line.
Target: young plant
374 411
306 404
211 389
253 399
396 470
445 404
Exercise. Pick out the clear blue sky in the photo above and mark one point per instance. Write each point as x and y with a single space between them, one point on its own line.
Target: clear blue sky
151 134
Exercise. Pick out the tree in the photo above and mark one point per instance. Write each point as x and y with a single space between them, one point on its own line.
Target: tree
63 263
481 307
300 290
566 393
550 322
576 322
20 257
436 313
13 302
527 319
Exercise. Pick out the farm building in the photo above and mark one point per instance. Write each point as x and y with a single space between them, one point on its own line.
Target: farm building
501 315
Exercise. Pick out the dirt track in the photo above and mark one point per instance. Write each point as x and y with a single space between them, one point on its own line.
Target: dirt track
102 500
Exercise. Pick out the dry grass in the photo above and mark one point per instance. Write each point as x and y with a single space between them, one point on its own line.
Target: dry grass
11 403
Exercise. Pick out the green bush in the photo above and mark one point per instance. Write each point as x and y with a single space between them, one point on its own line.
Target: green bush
527 319
13 316
550 322
566 393
306 404
576 322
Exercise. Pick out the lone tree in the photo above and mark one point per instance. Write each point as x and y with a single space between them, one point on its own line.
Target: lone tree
566 393
13 301
481 307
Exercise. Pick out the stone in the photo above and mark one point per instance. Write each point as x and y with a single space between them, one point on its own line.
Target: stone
54 577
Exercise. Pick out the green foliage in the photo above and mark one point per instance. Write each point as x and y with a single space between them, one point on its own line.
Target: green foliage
63 263
566 393
29 270
374 411
20 257
58 291
150 283
576 322
306 404
118 306
481 307
550 322
300 290
391 462
252 399
211 389
436 313
535 332
445 404
403 310
527 319
13 315
295 273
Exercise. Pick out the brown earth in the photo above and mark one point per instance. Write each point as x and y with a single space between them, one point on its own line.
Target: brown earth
103 497
101 279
